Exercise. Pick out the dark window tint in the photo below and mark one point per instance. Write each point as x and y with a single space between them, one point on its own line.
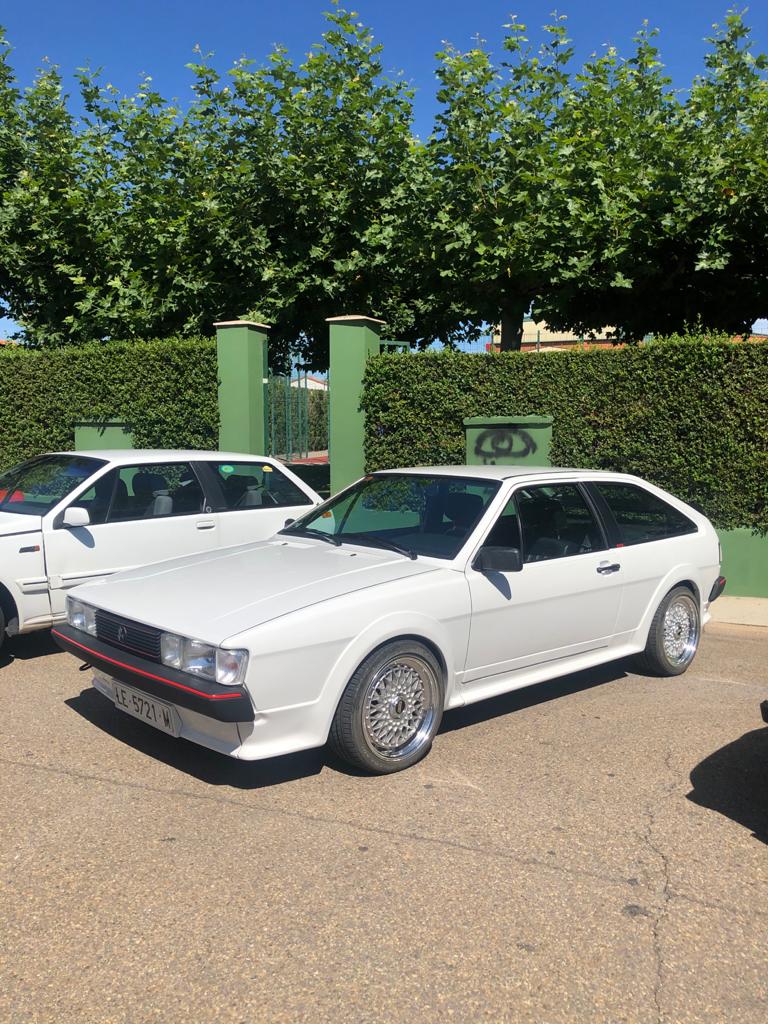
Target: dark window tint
641 516
154 491
556 522
506 529
257 485
97 499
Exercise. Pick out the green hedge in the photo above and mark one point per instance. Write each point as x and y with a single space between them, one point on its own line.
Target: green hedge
167 391
691 415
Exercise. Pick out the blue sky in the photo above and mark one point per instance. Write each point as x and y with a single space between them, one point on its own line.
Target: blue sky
130 38
157 38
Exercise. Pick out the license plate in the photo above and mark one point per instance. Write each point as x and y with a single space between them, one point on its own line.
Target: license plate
156 712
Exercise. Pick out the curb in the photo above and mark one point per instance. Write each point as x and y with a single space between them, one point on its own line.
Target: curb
741 611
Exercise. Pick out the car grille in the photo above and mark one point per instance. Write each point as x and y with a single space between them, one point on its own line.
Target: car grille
128 635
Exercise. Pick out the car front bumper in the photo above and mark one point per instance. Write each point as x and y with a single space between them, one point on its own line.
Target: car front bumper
211 700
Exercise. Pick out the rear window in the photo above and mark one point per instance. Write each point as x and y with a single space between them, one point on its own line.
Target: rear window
642 517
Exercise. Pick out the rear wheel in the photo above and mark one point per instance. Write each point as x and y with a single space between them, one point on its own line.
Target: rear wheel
673 638
391 709
2 627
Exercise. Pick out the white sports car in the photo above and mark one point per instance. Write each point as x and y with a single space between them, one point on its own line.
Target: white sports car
411 592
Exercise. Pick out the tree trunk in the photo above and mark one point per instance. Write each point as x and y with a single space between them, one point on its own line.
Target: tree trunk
512 326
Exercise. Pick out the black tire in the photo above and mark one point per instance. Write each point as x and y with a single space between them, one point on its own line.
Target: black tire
673 638
2 627
390 710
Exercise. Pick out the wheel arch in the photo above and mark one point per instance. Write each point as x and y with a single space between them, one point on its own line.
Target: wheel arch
9 609
421 629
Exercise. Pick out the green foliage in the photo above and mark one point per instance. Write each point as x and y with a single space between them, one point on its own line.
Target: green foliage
288 193
688 413
318 420
280 193
166 390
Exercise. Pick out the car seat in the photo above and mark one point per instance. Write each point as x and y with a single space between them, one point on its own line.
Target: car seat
152 495
462 510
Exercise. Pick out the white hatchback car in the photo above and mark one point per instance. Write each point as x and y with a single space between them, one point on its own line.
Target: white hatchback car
408 593
70 517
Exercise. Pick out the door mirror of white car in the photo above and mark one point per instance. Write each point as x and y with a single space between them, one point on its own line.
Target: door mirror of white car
494 559
75 516
288 522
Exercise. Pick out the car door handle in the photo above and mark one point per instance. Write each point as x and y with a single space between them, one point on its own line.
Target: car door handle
205 524
604 570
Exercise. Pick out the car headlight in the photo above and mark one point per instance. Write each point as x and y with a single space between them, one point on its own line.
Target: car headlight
204 660
81 616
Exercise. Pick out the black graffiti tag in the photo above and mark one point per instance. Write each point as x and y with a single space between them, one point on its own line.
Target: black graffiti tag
503 443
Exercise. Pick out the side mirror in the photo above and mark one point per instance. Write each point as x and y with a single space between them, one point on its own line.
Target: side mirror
492 559
75 516
288 522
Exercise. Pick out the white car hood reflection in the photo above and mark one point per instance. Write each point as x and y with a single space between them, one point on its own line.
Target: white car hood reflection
219 594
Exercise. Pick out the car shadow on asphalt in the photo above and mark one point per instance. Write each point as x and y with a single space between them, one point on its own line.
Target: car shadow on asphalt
201 763
530 696
734 782
220 770
28 647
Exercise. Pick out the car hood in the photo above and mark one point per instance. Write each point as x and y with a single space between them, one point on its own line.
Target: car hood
12 522
218 594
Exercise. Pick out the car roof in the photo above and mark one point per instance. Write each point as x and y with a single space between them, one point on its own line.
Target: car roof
502 472
132 456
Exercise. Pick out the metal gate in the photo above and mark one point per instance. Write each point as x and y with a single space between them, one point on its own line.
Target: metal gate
297 416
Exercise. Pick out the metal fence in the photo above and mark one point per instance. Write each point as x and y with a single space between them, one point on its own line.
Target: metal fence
297 416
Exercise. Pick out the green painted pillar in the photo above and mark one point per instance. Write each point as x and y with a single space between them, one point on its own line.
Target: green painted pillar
354 339
241 350
508 440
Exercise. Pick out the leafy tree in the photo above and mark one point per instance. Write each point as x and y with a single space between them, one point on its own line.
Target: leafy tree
497 181
671 194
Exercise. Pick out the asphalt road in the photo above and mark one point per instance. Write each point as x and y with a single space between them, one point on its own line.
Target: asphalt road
591 850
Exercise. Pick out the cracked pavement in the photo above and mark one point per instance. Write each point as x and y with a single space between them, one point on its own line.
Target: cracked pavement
592 849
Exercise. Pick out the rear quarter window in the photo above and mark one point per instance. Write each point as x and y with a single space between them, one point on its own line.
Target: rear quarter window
642 517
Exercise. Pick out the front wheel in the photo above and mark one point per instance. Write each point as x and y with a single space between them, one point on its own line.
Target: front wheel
674 635
391 709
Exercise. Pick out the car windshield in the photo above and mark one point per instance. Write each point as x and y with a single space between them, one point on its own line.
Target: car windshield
410 513
34 487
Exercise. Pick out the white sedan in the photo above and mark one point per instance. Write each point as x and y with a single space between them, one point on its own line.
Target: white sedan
70 517
411 592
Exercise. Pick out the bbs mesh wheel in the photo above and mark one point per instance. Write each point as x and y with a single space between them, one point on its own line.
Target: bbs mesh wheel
391 709
673 638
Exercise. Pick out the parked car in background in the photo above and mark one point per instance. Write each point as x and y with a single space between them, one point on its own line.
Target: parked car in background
70 517
410 592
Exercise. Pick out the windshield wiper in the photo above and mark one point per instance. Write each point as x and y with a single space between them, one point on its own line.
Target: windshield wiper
380 542
309 532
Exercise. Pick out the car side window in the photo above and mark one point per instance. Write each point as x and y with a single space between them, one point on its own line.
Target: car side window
641 516
556 522
97 499
154 491
255 485
506 529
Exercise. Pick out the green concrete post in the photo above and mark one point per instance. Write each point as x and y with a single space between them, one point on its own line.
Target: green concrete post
354 339
241 350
